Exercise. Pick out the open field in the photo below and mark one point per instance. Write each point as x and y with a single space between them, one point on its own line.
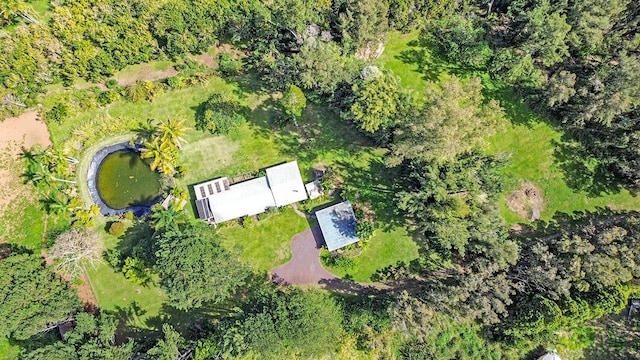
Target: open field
529 140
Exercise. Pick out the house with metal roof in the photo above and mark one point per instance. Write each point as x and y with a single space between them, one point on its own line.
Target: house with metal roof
286 183
218 201
338 225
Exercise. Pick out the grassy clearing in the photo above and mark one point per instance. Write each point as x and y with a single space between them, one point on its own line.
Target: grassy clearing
529 139
268 243
387 247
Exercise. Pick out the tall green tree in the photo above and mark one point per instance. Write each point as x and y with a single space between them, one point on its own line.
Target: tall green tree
195 270
32 297
91 338
377 101
454 119
288 324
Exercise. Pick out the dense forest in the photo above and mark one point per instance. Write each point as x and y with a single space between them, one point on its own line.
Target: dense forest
480 287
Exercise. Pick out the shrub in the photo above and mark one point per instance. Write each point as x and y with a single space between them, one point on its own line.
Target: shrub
337 261
219 114
364 230
114 259
129 216
116 229
112 84
144 90
181 172
135 270
227 65
247 222
177 82
108 97
58 112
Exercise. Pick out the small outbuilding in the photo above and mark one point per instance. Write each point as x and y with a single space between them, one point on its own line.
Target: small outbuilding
338 225
551 355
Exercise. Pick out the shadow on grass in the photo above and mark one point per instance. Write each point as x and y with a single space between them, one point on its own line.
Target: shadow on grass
376 187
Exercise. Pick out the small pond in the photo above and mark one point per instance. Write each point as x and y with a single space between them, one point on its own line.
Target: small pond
120 181
125 180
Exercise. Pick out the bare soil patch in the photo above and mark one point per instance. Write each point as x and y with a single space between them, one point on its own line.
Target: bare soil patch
527 201
146 73
16 134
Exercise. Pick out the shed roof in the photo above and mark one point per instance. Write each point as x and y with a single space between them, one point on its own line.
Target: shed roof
246 198
553 355
286 183
338 225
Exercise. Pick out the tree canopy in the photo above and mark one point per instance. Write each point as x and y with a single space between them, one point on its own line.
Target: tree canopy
32 296
194 270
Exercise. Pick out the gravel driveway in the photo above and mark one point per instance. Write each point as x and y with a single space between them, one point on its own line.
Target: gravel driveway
304 267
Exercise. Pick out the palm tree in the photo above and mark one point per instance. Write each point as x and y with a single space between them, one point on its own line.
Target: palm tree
167 219
162 153
172 131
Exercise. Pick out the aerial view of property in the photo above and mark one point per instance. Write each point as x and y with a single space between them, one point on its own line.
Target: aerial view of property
319 179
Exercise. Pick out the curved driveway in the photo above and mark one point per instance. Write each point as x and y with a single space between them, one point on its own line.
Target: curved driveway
304 268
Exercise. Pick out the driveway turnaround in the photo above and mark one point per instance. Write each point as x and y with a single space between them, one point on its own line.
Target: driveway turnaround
304 268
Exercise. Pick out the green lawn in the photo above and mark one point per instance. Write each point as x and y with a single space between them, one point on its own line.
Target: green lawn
386 248
267 243
8 351
529 140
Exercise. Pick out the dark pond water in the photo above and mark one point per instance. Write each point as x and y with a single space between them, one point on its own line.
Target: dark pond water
125 180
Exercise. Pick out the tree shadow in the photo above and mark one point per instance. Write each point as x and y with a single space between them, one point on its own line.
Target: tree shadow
583 172
375 184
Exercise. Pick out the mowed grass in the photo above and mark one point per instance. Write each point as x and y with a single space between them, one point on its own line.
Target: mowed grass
386 248
528 139
7 350
267 243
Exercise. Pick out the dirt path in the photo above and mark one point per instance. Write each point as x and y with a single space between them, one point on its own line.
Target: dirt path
17 133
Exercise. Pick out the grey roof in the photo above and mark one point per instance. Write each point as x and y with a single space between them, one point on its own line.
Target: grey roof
338 225
286 183
204 211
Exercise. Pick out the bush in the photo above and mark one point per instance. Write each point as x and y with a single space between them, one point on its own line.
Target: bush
112 84
181 172
116 229
337 261
129 216
177 82
247 222
58 112
227 65
144 90
108 97
219 115
364 230
114 259
135 270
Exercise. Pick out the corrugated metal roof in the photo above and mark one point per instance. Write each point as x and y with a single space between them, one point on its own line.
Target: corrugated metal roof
246 198
286 183
338 225
204 211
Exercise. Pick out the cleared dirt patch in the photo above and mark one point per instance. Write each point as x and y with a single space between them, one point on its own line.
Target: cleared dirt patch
18 133
527 201
145 72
